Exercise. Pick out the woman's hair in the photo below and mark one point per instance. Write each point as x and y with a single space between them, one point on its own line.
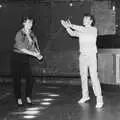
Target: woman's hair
27 18
91 17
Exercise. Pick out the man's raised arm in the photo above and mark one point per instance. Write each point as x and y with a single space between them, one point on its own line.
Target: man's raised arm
69 30
73 26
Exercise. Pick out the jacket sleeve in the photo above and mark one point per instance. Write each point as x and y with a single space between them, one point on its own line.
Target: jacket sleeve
19 40
36 42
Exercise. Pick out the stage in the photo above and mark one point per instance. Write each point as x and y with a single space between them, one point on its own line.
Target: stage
59 102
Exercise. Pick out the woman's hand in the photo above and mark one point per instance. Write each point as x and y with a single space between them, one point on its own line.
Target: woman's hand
38 55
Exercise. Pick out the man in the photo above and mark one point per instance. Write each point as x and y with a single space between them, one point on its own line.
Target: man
25 46
87 35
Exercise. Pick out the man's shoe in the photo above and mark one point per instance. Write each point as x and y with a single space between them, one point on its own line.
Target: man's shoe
84 99
99 102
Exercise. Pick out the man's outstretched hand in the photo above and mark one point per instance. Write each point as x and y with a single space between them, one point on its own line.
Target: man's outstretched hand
69 23
64 24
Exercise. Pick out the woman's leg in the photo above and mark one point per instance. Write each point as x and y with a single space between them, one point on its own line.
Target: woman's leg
29 80
16 68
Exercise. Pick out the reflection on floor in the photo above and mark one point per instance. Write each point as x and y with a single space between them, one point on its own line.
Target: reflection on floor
58 102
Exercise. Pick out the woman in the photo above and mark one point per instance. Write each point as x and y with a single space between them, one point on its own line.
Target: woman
25 46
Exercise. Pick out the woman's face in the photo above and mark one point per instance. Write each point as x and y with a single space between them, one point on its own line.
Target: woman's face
28 24
87 21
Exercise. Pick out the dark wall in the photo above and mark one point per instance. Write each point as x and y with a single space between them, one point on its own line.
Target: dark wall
11 21
60 40
62 51
52 37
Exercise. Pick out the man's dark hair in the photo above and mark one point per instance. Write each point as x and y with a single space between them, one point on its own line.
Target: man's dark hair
91 17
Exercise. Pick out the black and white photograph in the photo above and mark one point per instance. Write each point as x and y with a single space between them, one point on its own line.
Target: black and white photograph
60 60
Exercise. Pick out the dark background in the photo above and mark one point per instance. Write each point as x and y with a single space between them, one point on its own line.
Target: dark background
52 37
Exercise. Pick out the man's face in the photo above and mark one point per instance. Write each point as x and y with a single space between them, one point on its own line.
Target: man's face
87 21
28 24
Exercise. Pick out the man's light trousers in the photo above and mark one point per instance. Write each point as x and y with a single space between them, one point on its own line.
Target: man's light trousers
89 62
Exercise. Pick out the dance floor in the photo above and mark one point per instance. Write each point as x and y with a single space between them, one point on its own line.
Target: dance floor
58 102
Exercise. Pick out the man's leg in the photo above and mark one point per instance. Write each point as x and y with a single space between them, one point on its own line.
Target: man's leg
84 81
95 81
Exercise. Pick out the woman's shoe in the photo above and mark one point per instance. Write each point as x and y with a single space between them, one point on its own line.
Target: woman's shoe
19 102
28 101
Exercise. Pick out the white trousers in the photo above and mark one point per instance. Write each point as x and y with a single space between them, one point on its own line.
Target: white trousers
89 62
